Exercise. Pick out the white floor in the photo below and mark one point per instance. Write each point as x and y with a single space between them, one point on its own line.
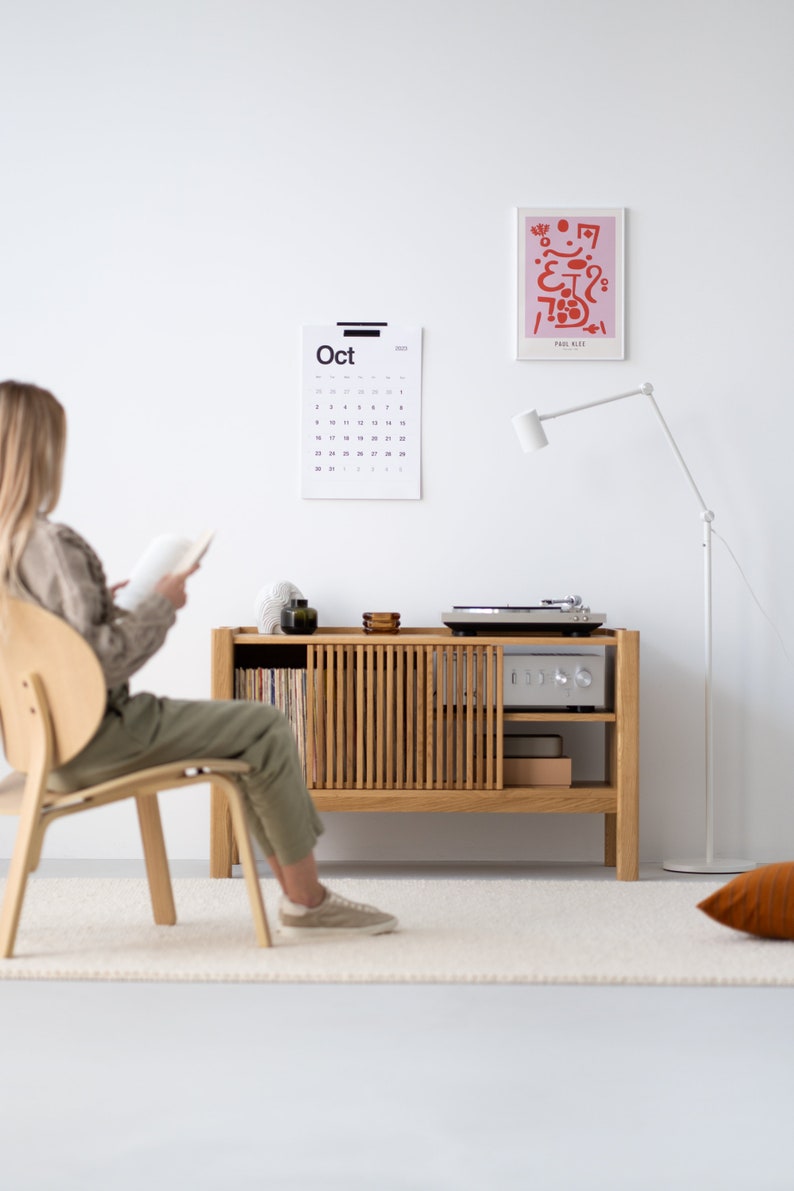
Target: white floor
127 1087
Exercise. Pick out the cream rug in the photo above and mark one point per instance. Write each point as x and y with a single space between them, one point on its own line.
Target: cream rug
525 931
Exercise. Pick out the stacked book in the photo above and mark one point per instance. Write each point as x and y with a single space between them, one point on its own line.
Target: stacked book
283 688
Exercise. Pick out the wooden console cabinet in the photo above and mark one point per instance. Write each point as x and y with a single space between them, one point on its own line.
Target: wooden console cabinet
415 722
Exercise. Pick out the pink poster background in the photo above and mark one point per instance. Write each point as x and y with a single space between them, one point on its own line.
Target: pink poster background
570 277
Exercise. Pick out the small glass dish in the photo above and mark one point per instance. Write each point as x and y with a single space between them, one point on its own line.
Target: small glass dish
381 622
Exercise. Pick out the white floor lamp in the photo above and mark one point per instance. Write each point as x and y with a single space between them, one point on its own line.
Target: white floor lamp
532 437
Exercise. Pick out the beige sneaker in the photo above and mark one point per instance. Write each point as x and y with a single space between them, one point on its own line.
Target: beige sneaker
334 916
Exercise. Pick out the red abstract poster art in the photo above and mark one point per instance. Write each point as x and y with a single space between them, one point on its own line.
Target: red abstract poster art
570 279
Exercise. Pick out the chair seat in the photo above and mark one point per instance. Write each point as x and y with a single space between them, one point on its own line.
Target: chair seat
152 780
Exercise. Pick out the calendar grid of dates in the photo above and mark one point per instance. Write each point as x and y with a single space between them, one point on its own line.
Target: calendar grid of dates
358 426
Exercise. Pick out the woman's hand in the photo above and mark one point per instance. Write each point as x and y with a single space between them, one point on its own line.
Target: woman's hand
173 587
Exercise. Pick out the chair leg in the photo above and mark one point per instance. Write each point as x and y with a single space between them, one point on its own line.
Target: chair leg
162 894
248 861
24 860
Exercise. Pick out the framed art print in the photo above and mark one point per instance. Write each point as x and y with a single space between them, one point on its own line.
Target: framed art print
570 283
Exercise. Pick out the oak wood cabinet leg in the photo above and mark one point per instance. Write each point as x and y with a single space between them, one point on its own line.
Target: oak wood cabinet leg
223 850
221 835
610 840
627 760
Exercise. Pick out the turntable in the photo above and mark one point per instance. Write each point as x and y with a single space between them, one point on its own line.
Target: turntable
568 616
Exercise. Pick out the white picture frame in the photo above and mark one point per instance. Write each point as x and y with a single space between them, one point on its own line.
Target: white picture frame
570 283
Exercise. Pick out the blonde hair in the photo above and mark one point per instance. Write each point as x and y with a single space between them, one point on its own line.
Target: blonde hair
32 446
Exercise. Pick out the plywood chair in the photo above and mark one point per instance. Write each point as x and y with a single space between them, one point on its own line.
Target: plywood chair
52 699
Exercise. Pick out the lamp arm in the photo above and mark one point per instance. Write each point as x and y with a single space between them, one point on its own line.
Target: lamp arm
645 390
574 409
704 508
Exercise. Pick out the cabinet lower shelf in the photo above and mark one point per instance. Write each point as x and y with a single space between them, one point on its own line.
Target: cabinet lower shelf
554 800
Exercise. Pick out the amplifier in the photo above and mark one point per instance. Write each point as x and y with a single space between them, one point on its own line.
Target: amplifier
544 678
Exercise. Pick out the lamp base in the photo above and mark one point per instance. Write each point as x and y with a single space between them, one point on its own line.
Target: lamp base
717 865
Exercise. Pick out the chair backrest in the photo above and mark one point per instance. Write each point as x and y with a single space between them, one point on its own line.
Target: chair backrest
33 641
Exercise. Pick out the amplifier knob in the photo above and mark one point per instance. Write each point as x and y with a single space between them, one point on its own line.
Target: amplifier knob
561 678
583 678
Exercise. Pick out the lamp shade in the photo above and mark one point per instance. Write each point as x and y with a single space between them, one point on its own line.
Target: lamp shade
530 432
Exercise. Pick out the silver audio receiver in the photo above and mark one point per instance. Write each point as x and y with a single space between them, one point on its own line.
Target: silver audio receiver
543 678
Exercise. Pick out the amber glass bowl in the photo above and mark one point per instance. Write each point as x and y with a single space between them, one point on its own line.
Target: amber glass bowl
381 622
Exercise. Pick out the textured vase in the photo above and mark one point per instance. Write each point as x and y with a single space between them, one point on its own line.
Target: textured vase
269 602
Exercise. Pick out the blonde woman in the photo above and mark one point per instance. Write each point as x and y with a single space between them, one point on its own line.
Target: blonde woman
52 566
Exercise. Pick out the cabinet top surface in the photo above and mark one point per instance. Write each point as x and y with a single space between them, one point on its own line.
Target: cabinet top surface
421 636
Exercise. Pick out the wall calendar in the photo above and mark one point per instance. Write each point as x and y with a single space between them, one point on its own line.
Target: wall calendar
362 399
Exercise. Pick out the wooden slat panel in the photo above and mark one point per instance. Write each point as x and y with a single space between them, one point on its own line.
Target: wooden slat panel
330 737
460 712
369 684
419 721
482 738
429 714
383 715
339 715
500 725
407 716
350 717
437 750
339 721
410 717
400 708
360 716
311 763
449 721
377 747
489 696
339 666
319 694
330 716
470 725
392 659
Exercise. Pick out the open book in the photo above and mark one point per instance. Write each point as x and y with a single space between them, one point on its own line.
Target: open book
165 555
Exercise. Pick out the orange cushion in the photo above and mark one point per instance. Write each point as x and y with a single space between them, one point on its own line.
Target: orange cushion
760 902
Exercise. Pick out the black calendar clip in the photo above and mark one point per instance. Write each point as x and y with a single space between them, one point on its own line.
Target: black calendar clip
361 330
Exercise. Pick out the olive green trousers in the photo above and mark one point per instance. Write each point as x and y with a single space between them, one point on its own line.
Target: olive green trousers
142 730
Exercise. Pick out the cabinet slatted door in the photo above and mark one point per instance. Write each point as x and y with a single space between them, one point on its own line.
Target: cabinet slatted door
405 716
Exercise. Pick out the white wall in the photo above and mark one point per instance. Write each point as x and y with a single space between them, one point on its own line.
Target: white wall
187 182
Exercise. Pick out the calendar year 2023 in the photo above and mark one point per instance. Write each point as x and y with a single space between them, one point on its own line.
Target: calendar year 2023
362 400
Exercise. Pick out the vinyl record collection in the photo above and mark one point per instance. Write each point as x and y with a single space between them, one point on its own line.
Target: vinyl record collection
283 688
